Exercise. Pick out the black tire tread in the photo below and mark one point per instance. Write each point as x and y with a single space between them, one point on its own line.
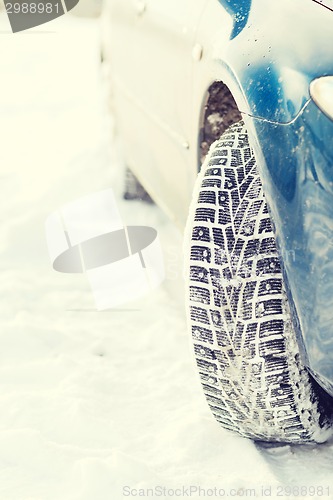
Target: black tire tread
244 341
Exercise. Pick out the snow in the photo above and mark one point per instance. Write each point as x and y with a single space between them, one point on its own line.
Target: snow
94 402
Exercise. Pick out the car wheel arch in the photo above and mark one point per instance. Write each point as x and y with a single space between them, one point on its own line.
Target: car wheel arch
221 107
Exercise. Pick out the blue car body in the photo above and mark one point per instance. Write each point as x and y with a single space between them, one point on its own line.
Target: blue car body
295 149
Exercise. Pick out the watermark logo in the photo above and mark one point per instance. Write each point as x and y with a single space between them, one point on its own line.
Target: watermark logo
26 14
122 263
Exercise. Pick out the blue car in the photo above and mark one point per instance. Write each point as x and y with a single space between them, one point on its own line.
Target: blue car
225 109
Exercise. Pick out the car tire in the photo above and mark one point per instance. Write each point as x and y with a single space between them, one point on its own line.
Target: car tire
239 317
133 188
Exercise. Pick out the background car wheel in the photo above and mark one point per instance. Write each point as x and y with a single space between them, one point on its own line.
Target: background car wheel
240 321
134 189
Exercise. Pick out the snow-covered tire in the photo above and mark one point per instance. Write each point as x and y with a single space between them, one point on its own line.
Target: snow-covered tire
238 313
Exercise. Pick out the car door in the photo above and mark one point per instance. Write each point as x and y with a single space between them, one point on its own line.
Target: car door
152 44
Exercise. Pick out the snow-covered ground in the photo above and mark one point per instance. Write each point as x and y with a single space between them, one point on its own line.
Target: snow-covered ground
98 405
